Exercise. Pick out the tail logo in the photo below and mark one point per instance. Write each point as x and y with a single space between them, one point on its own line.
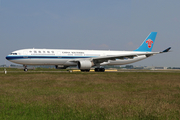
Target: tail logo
149 42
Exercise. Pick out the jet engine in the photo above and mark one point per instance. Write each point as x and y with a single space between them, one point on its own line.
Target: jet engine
85 65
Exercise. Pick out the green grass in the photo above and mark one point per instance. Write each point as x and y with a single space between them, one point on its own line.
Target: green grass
145 96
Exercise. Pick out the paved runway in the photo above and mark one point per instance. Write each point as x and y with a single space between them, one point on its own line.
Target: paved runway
69 71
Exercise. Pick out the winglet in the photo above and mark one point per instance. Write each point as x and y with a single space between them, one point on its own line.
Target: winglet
166 50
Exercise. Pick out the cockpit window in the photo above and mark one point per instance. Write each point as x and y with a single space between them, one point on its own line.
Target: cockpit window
13 53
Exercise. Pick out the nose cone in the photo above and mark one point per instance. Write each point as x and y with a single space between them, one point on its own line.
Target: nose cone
8 57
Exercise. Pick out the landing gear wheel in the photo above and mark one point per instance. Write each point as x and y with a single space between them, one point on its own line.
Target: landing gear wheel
85 70
25 69
99 69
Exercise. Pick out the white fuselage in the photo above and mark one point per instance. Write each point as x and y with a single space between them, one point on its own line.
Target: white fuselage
65 56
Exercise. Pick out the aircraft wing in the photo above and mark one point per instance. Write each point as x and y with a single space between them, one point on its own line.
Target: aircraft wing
123 56
102 59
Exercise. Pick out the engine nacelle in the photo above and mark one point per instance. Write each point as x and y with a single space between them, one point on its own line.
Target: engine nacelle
84 65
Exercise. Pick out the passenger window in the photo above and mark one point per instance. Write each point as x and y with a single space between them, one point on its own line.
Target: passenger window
48 52
44 51
52 51
35 51
30 51
39 51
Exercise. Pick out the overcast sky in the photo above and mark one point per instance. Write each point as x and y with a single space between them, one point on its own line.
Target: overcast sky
93 24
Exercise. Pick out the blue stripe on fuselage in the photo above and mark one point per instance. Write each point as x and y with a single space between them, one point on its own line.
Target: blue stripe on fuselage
15 57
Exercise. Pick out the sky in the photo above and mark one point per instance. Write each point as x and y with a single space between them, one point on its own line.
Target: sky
93 24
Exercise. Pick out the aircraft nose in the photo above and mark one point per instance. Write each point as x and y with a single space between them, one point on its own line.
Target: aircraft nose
7 57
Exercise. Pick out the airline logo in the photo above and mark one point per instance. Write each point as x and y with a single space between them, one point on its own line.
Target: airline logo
149 43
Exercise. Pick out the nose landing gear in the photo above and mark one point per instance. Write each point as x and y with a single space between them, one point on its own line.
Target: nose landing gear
25 68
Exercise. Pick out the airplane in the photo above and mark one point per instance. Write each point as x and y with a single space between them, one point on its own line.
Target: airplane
83 59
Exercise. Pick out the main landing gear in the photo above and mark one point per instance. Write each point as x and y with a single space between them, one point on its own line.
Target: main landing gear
99 69
96 70
85 70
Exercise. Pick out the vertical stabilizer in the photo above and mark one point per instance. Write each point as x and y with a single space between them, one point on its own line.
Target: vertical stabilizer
148 43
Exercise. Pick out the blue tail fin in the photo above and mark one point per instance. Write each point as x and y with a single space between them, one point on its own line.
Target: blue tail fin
148 43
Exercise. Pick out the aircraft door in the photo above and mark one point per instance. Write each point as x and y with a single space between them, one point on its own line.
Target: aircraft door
59 53
25 54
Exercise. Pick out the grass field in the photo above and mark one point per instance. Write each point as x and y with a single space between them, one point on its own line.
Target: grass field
132 95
